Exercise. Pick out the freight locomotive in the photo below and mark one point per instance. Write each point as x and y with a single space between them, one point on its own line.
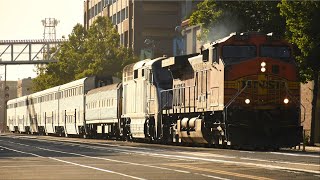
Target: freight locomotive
241 91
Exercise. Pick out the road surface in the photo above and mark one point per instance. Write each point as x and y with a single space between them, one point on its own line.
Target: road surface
46 157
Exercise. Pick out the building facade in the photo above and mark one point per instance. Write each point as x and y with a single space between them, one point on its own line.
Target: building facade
24 87
191 33
8 91
306 100
148 26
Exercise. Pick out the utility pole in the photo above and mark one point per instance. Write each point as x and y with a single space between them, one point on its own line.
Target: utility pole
4 98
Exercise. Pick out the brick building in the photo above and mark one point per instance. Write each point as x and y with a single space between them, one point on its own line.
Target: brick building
142 24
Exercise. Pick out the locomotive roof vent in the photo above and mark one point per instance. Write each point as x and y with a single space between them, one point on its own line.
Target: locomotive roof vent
270 34
251 33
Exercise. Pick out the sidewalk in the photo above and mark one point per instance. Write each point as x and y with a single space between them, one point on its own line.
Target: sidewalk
314 149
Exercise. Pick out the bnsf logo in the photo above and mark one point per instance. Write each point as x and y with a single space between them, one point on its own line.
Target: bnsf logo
263 84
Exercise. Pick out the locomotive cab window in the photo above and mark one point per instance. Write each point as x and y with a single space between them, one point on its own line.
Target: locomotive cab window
237 53
150 77
135 74
215 57
281 52
205 55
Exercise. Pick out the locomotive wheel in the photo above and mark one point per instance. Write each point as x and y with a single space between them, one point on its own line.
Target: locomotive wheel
150 140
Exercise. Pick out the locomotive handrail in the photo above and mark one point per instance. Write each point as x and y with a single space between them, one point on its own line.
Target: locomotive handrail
168 90
176 88
228 104
296 101
235 96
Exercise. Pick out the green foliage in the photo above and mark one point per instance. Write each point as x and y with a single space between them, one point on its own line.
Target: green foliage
220 18
207 13
93 52
302 22
304 31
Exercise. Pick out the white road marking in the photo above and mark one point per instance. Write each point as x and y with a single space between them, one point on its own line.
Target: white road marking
295 172
112 160
76 164
124 162
281 162
207 155
213 160
23 166
18 143
292 154
250 152
243 163
210 176
124 151
22 152
99 169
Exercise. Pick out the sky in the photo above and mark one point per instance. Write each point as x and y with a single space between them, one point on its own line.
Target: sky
21 20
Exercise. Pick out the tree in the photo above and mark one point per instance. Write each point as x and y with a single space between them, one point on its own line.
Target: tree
220 18
302 22
104 52
93 52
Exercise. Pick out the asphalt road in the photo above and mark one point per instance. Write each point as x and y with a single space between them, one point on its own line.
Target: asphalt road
45 157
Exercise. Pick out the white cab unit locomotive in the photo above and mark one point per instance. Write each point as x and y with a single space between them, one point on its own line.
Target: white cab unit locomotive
142 84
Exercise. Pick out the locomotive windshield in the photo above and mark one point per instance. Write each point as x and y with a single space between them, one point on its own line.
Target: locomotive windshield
236 53
282 52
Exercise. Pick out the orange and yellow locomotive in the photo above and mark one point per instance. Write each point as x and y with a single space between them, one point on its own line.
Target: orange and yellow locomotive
242 90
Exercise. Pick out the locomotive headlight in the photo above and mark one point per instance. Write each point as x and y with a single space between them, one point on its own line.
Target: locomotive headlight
247 101
263 66
286 100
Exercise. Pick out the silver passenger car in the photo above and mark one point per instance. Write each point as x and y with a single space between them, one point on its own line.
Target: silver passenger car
57 110
17 117
11 115
103 109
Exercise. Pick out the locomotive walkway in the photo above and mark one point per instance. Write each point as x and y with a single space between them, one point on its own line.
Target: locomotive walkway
45 157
